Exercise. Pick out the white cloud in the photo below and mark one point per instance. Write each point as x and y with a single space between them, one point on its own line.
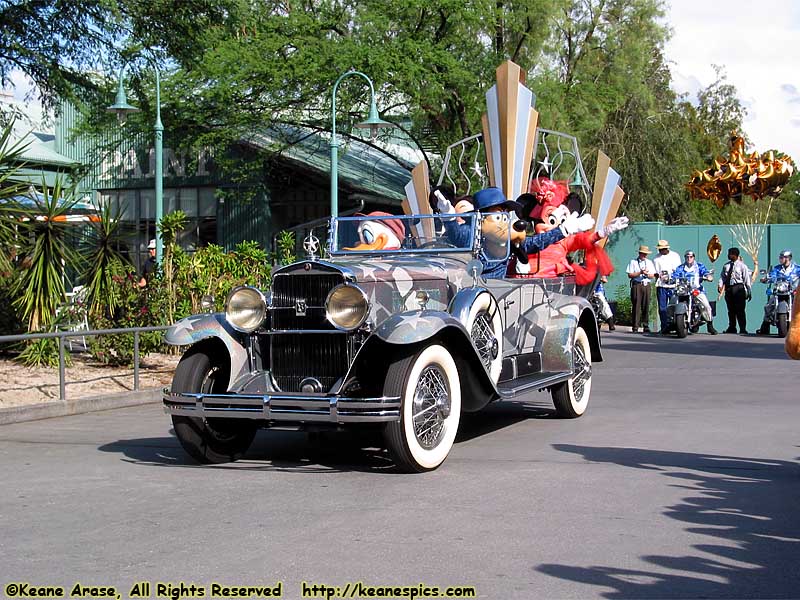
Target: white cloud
754 47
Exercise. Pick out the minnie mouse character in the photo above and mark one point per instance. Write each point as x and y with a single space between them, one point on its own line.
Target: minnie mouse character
548 206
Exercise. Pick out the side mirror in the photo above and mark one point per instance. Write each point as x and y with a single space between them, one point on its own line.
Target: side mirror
763 271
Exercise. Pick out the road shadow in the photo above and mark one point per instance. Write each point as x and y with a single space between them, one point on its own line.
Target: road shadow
748 504
272 450
499 415
320 451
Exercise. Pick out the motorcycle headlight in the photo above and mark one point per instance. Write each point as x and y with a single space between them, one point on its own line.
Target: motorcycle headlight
346 307
245 309
782 287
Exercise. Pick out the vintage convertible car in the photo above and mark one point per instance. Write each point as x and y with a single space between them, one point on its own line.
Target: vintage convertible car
406 338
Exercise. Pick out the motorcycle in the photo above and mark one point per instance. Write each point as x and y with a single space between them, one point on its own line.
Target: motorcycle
780 298
684 311
602 311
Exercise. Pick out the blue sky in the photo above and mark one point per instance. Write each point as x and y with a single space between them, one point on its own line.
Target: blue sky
758 44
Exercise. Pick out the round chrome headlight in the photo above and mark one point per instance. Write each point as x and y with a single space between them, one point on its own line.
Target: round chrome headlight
782 287
245 309
346 307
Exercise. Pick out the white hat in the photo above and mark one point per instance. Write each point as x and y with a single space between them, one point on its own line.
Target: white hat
151 245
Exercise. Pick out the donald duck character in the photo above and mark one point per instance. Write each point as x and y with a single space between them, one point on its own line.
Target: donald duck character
379 234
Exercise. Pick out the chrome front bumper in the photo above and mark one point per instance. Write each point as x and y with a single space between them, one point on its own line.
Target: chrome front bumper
283 407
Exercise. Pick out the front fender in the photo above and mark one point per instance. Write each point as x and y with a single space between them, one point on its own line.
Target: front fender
416 326
196 328
397 335
680 308
783 307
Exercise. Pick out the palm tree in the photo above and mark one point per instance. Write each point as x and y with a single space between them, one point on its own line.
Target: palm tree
41 286
102 294
10 163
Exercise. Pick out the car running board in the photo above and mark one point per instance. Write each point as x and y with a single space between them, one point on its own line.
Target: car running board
510 389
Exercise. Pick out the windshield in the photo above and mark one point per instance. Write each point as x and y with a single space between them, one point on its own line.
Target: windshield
371 234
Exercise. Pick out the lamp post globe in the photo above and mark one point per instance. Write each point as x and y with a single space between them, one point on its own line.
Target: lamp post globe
373 123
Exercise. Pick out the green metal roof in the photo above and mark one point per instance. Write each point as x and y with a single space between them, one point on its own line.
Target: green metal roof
361 167
42 153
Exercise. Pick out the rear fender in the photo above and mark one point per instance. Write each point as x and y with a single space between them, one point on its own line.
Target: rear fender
197 328
570 313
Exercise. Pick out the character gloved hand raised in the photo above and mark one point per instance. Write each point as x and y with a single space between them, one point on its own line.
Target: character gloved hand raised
576 224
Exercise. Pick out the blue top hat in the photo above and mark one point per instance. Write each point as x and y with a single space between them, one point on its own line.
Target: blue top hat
492 196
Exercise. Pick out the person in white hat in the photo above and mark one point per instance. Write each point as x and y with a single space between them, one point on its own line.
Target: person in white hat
149 265
666 262
640 271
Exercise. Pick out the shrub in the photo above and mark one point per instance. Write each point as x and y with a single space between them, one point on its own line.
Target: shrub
42 353
624 309
135 308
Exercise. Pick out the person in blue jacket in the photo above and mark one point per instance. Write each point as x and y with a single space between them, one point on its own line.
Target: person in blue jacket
785 269
697 272
496 228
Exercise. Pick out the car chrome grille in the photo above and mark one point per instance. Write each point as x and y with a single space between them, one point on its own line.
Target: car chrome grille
298 304
298 356
311 289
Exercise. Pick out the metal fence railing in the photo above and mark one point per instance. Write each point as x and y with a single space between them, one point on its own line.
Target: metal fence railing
82 333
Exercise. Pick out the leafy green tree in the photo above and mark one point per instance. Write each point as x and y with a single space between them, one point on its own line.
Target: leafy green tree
10 163
170 227
59 44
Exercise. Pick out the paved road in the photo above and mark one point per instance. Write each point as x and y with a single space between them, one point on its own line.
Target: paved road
681 481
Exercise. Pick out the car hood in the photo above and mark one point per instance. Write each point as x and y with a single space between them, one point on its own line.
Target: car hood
391 282
372 269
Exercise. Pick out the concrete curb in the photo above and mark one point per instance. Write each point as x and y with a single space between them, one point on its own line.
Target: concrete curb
48 410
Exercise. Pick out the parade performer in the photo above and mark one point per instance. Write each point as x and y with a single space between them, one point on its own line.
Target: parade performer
547 207
496 230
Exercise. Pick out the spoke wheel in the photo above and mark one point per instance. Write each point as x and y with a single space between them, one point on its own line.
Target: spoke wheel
485 328
571 398
430 396
485 341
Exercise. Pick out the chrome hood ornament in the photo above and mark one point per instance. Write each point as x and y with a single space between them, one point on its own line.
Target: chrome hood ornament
311 246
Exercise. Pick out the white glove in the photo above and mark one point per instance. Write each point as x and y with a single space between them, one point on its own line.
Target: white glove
523 268
613 226
576 224
444 205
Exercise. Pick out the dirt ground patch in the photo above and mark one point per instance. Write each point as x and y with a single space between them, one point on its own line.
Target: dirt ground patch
20 385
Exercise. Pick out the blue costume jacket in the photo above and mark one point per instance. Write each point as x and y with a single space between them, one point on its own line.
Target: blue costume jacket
696 273
792 273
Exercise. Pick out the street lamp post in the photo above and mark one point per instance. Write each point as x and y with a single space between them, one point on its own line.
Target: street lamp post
373 123
122 109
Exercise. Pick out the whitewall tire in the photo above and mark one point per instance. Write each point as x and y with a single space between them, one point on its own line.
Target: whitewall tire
430 409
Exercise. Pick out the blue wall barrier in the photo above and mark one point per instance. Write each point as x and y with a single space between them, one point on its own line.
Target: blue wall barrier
623 247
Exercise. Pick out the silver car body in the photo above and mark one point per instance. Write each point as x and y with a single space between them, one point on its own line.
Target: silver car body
297 367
